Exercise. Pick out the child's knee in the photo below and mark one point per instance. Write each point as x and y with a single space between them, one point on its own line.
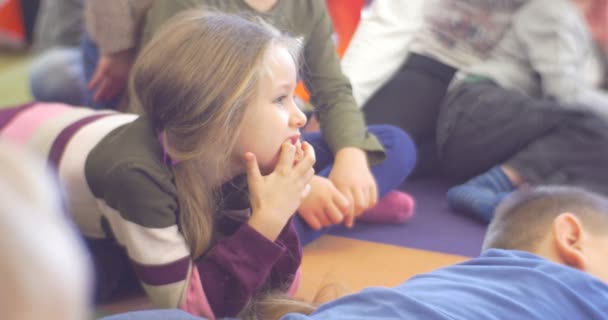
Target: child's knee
398 145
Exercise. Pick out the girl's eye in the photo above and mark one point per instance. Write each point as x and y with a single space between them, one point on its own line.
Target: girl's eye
280 100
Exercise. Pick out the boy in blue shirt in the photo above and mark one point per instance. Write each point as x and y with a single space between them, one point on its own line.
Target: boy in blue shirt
544 257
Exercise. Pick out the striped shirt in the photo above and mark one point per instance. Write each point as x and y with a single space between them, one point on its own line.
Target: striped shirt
111 166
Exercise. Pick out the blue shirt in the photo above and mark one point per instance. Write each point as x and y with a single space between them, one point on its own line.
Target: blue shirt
499 284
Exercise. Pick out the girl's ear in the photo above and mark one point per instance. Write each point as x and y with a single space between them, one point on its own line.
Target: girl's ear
568 240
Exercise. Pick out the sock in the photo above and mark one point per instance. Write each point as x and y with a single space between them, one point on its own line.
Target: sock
479 196
394 207
495 179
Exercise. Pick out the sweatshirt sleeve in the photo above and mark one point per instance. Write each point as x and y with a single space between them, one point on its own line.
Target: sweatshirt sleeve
236 268
140 208
342 123
381 40
115 27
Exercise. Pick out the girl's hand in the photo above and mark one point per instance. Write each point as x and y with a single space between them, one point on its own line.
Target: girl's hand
299 152
324 206
275 197
351 175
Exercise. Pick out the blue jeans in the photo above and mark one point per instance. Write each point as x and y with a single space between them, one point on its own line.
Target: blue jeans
57 76
390 173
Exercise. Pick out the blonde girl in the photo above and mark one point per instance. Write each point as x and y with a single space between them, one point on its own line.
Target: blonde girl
198 195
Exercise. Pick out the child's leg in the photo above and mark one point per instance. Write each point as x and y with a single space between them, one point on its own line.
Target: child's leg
482 125
481 129
575 154
390 174
411 101
57 76
482 194
393 206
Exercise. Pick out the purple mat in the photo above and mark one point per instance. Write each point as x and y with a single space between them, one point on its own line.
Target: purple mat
432 228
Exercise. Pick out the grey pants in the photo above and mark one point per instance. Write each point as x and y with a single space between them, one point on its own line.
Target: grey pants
482 125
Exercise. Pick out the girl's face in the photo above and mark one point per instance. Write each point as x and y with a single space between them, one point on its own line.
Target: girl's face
274 117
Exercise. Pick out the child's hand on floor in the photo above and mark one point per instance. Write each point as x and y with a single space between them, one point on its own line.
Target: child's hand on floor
275 197
353 178
324 206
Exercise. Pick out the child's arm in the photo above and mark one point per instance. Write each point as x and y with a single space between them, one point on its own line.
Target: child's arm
342 123
558 43
141 211
115 29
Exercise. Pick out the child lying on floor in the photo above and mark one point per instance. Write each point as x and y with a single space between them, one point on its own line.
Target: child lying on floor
544 257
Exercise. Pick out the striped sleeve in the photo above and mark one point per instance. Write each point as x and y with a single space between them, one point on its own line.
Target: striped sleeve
140 208
141 211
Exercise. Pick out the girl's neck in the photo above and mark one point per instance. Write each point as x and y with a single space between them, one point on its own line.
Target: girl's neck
261 5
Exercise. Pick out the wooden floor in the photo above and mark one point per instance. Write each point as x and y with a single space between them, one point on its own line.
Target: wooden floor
356 264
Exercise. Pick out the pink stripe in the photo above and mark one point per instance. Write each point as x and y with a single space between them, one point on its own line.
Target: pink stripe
196 302
25 124
295 284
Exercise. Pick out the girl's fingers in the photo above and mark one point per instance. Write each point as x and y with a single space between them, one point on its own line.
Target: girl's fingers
360 200
349 218
253 170
308 158
313 222
299 152
373 192
333 213
342 203
323 218
306 163
286 158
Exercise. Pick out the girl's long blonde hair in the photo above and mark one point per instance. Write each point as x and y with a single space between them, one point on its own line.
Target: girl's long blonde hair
194 80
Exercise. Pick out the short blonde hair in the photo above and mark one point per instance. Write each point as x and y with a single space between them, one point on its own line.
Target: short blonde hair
44 269
525 217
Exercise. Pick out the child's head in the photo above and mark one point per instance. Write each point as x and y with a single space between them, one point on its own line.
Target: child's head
43 266
565 224
217 86
205 76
